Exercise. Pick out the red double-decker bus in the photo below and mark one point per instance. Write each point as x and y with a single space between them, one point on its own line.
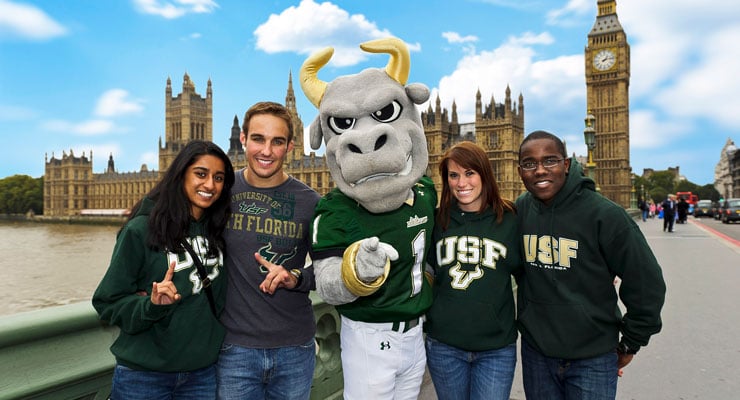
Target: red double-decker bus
688 197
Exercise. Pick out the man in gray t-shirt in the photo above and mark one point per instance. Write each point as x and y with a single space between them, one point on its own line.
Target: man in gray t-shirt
269 349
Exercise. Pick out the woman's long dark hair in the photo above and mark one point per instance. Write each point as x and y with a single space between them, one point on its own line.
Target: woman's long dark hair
469 155
169 219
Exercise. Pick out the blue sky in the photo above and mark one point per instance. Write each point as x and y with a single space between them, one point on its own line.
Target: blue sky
91 75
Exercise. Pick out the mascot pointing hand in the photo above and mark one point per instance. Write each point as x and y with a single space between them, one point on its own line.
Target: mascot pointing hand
371 234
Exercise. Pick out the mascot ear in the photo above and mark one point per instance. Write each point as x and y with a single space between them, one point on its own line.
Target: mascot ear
315 134
418 92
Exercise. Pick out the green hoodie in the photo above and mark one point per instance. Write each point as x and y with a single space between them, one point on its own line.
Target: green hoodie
473 306
184 336
573 249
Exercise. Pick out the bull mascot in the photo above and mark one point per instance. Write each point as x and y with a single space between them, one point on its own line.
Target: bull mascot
371 233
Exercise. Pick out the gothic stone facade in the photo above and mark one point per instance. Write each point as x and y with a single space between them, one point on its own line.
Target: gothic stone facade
71 187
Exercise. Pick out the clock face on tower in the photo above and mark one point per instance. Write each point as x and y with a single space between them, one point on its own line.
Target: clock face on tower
604 60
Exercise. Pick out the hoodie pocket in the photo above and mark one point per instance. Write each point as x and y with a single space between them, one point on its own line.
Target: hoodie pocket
463 322
561 330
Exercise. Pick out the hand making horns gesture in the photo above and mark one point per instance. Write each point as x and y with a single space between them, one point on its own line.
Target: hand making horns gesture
165 292
277 276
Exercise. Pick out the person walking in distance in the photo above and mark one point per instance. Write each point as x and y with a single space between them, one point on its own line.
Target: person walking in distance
575 339
643 206
669 212
269 349
165 286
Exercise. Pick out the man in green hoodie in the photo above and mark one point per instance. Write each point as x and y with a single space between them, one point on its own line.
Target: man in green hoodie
575 340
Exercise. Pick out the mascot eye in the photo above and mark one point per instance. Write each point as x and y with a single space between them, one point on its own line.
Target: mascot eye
389 113
339 125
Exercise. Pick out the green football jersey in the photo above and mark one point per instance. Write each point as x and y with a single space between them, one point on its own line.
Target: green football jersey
340 221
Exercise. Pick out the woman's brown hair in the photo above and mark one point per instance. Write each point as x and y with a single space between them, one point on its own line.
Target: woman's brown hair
469 155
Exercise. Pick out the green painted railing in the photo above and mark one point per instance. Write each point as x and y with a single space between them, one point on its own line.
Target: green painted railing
62 353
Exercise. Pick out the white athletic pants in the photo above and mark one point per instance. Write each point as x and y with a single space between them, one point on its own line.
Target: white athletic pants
381 361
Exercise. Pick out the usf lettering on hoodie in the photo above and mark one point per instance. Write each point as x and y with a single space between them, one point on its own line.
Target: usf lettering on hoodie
183 336
573 249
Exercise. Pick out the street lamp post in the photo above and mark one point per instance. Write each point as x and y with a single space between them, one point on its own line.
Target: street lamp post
589 136
730 192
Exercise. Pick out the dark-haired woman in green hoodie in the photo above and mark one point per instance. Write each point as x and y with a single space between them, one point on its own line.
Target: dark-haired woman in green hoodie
170 335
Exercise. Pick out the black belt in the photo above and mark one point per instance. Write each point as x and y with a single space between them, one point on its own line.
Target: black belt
405 326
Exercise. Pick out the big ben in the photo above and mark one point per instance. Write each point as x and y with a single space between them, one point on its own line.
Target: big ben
607 97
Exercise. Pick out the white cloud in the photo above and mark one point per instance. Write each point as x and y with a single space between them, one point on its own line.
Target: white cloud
115 102
529 38
311 26
454 37
708 89
86 128
549 86
151 159
169 10
28 22
648 131
683 64
571 13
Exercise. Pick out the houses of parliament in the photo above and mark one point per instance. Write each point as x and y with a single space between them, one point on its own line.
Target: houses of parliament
71 188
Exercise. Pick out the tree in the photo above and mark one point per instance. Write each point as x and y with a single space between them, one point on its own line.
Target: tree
686 186
658 194
708 192
665 180
21 193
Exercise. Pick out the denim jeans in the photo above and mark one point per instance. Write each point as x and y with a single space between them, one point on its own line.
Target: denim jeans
283 373
552 378
470 375
149 385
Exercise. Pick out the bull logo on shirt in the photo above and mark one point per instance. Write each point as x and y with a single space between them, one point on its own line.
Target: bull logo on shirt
470 255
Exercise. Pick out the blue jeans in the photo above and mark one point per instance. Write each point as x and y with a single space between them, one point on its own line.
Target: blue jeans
553 379
283 373
149 385
470 375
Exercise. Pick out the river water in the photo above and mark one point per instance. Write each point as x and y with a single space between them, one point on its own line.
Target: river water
45 265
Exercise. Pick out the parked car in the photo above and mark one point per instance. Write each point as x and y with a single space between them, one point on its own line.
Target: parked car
703 208
731 211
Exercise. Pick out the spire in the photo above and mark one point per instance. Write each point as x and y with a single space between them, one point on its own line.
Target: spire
507 102
111 165
478 106
235 145
454 112
607 7
290 94
521 105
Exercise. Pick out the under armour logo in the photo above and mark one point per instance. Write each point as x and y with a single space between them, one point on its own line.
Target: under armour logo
385 345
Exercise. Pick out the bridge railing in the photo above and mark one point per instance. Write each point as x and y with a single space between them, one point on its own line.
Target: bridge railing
63 353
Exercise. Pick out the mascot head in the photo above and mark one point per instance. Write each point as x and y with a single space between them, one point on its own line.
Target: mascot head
376 149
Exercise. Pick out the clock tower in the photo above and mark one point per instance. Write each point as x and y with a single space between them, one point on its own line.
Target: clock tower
607 98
